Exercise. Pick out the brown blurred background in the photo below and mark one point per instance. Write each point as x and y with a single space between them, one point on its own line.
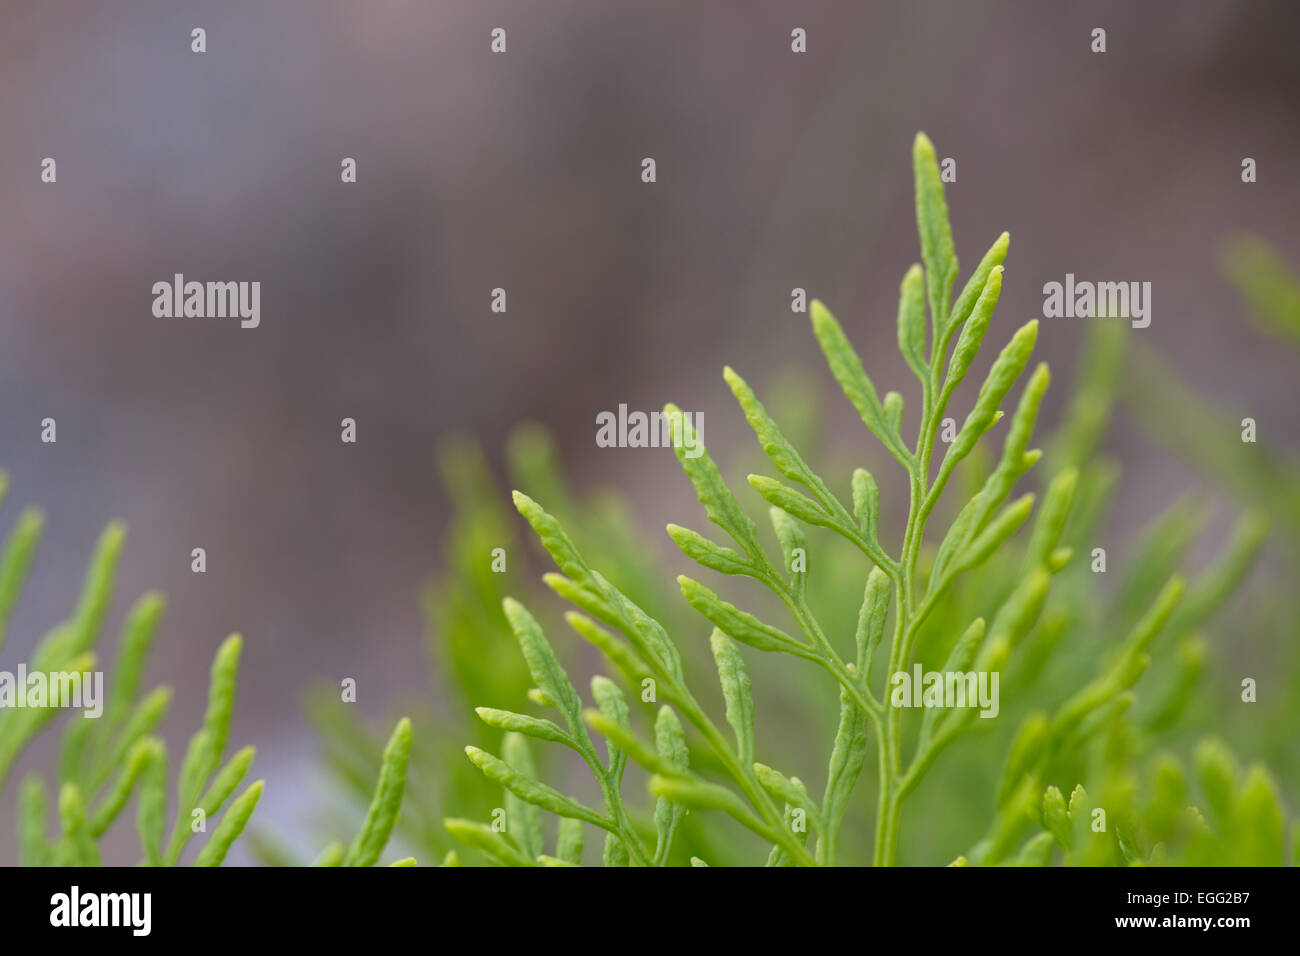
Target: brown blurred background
522 171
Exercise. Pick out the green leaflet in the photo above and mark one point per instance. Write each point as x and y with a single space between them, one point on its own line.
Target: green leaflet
1016 457
568 845
847 369
1258 820
231 826
848 755
203 755
963 652
999 530
698 793
736 623
1192 656
1006 369
718 502
1212 588
145 717
542 662
615 852
104 815
132 658
1145 631
532 790
871 619
522 724
937 249
1030 744
332 855
387 801
77 848
33 850
622 736
72 753
1056 818
221 702
1037 851
962 308
523 818
794 547
227 781
613 705
736 691
714 556
911 322
552 536
590 591
614 650
1217 772
96 593
791 501
866 503
670 747
972 333
151 807
782 453
16 560
1168 799
893 406
791 790
1052 516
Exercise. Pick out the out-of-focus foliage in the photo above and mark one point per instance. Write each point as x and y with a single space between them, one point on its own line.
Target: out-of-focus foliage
1270 288
105 760
1262 476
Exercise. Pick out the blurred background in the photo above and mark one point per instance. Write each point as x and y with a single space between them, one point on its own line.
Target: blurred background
522 171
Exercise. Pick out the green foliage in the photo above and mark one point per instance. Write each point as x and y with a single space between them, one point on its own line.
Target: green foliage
1263 477
383 814
1259 473
983 600
919 589
1270 288
981 596
104 761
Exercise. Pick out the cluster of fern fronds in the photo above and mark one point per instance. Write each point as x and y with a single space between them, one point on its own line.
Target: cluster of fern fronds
1098 682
